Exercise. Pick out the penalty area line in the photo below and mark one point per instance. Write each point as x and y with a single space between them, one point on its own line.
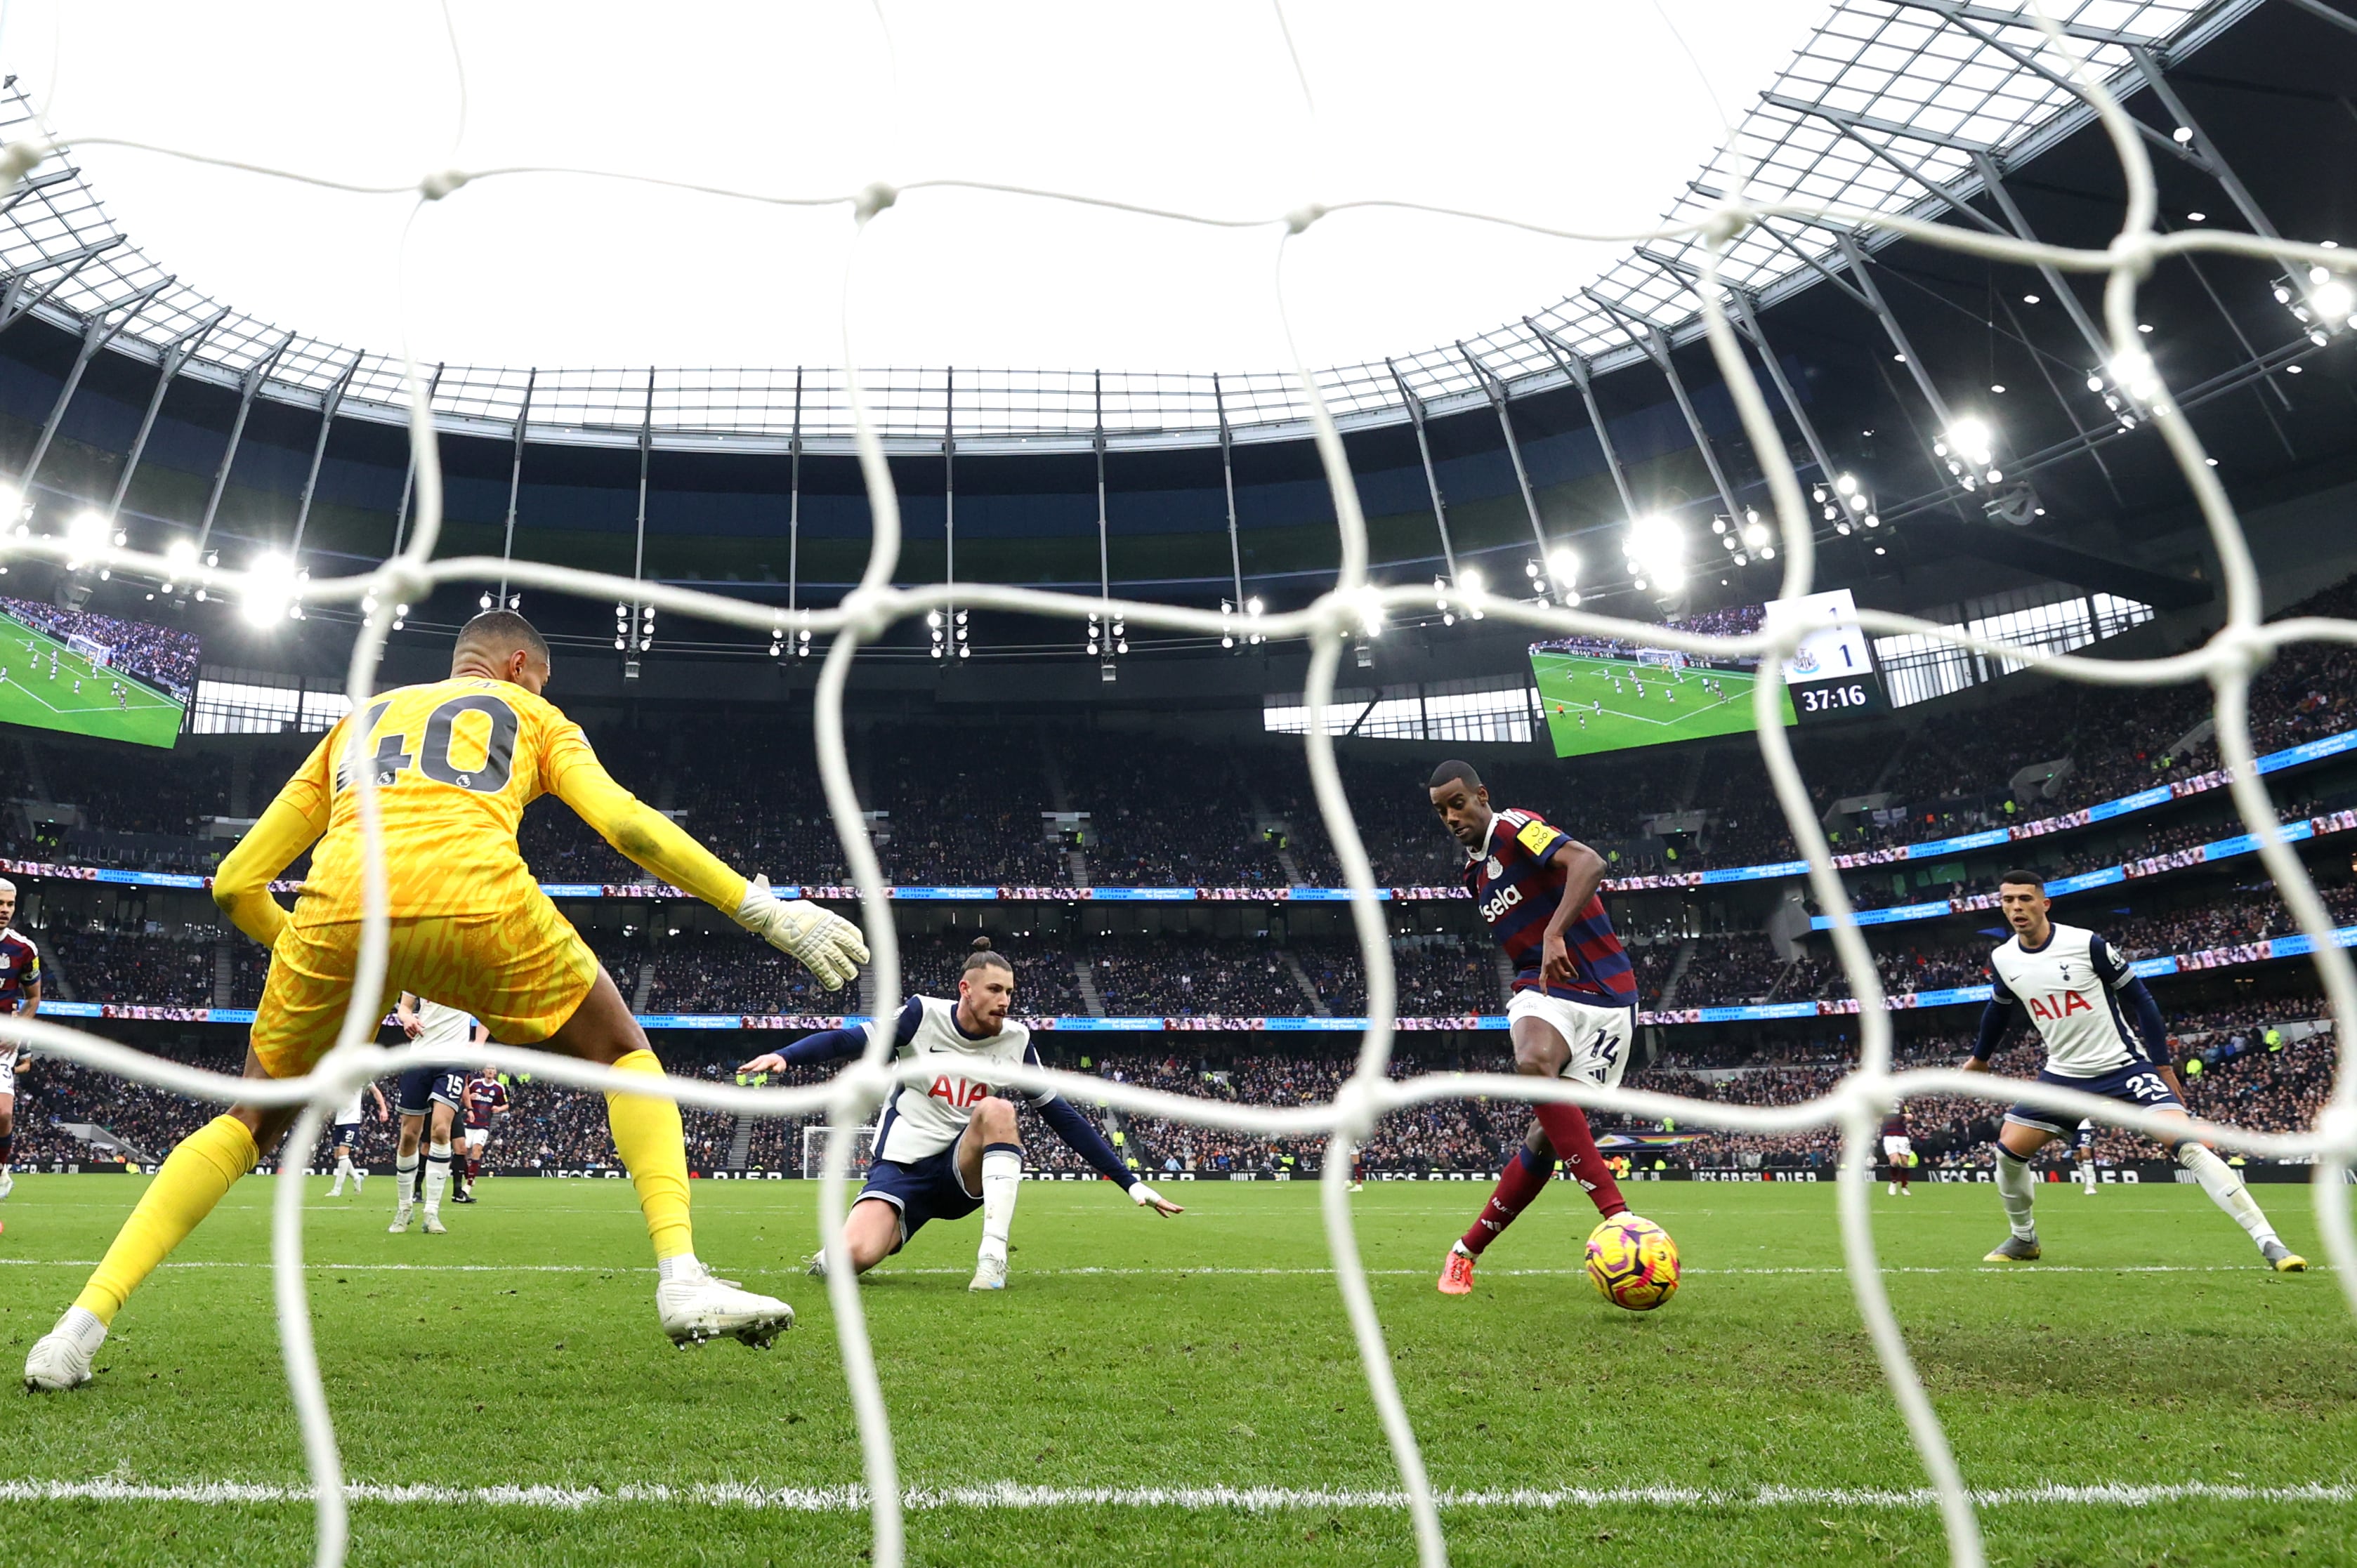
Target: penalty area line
1246 1499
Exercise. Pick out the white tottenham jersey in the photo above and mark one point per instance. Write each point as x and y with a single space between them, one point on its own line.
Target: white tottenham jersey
2069 987
350 1111
440 1026
924 1119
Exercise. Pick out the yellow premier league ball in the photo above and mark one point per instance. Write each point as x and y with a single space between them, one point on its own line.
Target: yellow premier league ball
1633 1263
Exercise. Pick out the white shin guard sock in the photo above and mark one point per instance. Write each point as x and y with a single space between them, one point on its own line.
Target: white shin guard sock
405 1177
1002 1178
2226 1190
2016 1186
438 1175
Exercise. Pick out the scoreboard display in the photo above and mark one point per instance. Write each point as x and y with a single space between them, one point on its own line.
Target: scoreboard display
1831 674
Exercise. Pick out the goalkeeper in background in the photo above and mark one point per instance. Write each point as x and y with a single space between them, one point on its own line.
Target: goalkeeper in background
455 763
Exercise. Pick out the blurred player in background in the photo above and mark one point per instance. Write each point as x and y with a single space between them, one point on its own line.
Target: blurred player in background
433 1096
947 1148
1574 1010
1898 1150
2071 984
347 1137
2083 1149
487 1102
454 764
20 994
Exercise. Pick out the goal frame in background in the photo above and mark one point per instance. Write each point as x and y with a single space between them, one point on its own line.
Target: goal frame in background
862 1154
1353 606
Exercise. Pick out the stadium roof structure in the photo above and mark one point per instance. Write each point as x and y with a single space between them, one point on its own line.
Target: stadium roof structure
1895 106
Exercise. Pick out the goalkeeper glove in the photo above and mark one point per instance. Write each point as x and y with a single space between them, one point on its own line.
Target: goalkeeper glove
825 943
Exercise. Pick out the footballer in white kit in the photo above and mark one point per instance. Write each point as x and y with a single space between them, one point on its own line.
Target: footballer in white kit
434 1090
949 1146
348 1136
2103 1034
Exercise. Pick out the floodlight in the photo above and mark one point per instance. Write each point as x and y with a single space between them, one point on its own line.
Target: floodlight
269 587
1969 445
1656 548
86 533
1563 565
1755 534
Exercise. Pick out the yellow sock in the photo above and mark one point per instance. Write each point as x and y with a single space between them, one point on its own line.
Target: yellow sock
647 1132
200 1169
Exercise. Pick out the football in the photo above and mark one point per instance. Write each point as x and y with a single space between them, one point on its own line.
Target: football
1633 1263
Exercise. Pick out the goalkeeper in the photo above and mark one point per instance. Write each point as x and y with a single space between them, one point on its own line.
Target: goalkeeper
455 762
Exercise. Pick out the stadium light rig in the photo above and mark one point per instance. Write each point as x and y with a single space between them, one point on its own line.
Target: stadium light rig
491 601
272 589
2130 386
1654 549
1845 503
1969 448
1105 641
2325 305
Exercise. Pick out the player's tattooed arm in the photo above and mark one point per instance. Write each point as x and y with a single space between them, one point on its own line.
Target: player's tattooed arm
31 1008
1583 874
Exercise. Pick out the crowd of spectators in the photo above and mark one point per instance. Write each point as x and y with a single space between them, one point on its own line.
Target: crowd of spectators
1162 811
140 967
154 653
2262 1067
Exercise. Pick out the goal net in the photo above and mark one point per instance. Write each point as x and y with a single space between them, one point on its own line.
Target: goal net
1351 607
99 655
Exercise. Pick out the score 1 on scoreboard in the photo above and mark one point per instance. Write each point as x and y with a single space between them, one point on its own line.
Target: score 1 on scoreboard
1832 673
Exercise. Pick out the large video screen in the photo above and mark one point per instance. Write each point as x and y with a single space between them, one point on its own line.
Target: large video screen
92 674
1601 694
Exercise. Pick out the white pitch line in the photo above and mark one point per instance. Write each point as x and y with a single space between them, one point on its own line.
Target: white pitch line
1174 1271
1249 1500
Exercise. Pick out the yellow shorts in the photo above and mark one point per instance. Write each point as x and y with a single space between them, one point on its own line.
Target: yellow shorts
522 971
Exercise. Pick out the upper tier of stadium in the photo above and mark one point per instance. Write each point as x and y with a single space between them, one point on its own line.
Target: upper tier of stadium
1947 82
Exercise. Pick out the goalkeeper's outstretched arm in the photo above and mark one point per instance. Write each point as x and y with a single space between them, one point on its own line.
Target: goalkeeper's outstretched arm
292 823
828 945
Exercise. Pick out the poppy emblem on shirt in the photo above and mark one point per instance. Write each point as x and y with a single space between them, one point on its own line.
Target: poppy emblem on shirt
1494 868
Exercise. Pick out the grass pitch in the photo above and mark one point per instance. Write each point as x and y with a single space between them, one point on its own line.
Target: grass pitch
30 696
1592 704
1133 1357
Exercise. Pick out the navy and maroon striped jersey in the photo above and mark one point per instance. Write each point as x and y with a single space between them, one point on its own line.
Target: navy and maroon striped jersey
1894 1122
20 966
486 1098
1517 885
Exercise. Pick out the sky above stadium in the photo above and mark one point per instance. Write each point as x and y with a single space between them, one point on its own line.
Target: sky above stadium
1585 113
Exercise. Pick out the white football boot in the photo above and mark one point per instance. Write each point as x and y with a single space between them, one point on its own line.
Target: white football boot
989 1274
696 1306
433 1226
60 1359
400 1220
7 1183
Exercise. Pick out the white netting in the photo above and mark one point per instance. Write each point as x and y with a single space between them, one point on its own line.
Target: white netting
2227 662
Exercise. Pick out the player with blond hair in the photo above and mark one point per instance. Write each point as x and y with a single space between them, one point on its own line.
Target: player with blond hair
455 762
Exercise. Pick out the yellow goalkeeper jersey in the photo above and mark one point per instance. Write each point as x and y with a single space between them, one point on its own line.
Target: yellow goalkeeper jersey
455 762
